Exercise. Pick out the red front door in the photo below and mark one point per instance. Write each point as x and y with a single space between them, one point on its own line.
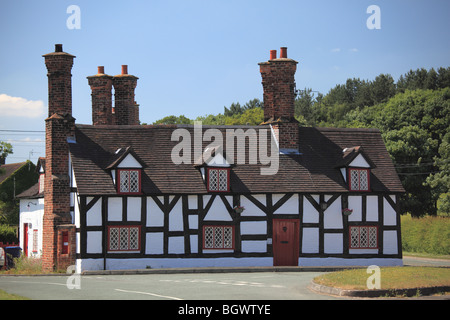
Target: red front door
285 242
25 239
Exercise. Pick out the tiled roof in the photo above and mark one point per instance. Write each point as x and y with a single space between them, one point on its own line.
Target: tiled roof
32 192
9 169
312 171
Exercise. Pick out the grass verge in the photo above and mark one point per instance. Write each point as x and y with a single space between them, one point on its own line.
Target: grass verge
7 296
391 278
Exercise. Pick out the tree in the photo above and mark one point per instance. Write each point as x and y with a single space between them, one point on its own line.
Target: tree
5 150
440 181
382 88
237 109
304 106
174 120
253 117
412 149
211 119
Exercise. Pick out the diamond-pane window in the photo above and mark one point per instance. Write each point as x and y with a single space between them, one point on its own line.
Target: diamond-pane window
359 179
129 181
218 237
124 238
218 179
363 237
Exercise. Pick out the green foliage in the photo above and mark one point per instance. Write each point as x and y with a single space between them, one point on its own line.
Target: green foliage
439 182
174 120
254 116
251 113
237 109
19 181
7 233
5 149
426 235
22 179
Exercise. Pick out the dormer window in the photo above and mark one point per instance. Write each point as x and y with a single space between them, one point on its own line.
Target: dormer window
355 168
126 171
358 179
129 180
218 179
215 170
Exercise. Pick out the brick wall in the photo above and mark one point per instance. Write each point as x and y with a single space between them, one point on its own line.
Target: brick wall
126 110
101 86
59 66
278 81
59 126
66 246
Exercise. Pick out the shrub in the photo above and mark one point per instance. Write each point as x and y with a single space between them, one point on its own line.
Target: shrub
7 233
428 234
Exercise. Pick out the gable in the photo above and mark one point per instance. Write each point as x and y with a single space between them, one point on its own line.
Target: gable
359 162
129 162
217 160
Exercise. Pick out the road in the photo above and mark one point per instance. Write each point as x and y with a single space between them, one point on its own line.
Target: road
218 286
176 287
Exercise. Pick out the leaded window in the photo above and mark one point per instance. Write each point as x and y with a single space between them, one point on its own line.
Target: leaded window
359 179
218 237
129 181
124 238
218 179
363 237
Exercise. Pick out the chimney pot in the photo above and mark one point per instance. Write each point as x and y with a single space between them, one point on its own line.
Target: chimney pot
58 48
283 52
101 70
273 54
124 69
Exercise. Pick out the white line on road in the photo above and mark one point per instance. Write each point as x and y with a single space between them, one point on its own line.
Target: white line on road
150 294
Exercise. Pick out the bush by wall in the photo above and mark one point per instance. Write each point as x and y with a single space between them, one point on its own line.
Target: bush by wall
7 233
428 234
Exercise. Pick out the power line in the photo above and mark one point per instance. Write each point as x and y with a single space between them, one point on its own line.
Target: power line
417 173
23 141
6 130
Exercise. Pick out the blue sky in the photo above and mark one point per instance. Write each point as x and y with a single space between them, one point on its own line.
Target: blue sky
194 57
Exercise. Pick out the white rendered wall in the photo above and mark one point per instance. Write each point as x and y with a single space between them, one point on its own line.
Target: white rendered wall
31 212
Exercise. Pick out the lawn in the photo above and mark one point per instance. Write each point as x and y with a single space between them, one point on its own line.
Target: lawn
8 296
391 278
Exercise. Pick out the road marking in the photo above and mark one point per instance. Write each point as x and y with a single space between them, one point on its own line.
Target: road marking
227 282
37 282
149 293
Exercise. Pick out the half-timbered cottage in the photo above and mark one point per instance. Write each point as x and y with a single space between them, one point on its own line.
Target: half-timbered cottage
119 195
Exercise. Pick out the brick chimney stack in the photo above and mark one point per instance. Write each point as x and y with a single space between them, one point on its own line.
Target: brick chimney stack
101 86
59 128
126 110
279 97
59 66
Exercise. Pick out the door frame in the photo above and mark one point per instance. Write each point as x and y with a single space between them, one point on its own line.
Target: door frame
295 239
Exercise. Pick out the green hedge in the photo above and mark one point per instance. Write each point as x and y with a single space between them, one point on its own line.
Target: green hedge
7 233
428 234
